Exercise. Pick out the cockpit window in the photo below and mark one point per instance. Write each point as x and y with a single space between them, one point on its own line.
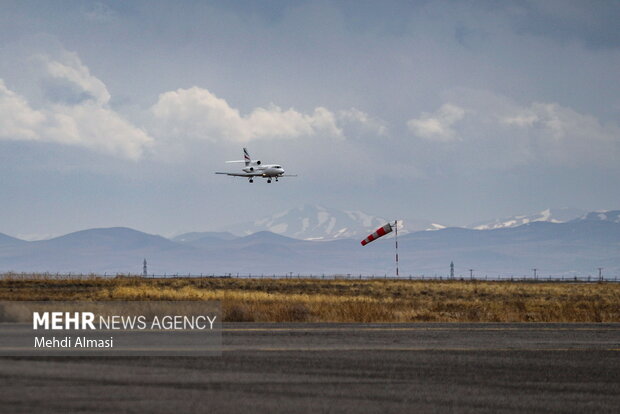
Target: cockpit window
277 166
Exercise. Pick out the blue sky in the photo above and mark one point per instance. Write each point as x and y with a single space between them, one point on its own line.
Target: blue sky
118 113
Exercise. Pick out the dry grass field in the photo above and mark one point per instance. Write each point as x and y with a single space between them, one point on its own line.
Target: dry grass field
317 300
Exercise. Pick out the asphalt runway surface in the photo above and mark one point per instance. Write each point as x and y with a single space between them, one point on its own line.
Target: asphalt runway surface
481 368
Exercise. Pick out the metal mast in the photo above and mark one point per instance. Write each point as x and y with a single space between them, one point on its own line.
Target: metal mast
396 238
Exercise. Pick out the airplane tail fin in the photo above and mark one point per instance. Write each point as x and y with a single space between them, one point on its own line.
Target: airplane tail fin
246 157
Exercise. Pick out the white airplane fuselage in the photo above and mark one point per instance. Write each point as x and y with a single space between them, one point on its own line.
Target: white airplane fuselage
272 170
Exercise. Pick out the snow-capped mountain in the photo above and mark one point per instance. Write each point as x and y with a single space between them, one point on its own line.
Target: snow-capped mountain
605 215
556 215
311 222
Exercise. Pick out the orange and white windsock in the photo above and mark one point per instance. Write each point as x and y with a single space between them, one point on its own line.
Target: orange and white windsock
381 231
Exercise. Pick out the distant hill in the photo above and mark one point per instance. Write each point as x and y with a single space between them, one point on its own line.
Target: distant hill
578 246
117 238
554 248
8 240
204 235
111 250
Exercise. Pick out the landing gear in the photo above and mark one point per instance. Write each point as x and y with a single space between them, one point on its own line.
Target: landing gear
251 180
269 180
276 179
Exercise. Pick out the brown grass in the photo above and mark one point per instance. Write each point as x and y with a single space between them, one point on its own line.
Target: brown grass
313 300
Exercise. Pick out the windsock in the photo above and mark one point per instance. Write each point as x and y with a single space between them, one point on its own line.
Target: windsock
381 231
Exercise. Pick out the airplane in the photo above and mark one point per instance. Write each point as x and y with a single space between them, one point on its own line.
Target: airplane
257 169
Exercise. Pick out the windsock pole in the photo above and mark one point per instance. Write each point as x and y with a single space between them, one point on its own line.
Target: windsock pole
396 238
382 231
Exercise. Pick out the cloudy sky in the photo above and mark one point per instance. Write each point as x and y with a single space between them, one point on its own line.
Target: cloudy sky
118 113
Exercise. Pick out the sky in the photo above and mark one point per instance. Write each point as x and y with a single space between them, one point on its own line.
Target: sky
117 113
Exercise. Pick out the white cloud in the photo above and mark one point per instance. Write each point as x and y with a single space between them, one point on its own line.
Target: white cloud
438 126
18 121
72 71
98 128
565 135
76 112
362 122
87 122
498 132
561 122
199 114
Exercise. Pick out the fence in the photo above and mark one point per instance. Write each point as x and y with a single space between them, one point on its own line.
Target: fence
348 276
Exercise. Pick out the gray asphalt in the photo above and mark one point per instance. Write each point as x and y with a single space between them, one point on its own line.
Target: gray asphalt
494 368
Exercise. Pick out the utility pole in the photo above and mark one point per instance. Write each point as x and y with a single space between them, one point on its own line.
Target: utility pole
600 274
535 270
451 270
471 274
396 238
144 272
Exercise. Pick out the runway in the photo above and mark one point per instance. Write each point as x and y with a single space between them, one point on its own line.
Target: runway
341 368
422 337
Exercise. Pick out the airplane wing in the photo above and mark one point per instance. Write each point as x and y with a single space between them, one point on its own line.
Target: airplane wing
241 175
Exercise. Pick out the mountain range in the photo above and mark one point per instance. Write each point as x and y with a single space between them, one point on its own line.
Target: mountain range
578 246
312 222
558 215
